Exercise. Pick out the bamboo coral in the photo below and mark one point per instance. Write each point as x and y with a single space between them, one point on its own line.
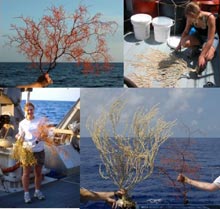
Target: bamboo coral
128 158
157 68
24 155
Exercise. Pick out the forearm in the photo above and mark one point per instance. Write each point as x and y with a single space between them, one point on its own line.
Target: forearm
104 195
94 196
20 134
201 185
206 47
183 36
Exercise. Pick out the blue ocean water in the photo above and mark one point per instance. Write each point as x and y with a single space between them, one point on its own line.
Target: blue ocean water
53 110
64 75
156 189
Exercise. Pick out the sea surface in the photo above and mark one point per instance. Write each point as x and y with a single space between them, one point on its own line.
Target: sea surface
157 190
64 75
53 110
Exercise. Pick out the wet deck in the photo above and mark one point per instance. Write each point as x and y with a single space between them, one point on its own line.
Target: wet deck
62 193
133 48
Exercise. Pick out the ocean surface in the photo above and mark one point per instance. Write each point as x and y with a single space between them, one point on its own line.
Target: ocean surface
157 190
64 75
53 110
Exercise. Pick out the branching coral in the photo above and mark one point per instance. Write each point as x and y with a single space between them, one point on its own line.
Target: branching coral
128 157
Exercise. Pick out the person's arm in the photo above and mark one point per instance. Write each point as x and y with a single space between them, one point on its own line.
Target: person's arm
184 34
94 196
211 35
86 194
90 195
31 85
21 134
198 184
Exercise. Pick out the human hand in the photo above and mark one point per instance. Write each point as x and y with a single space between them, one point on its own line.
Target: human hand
112 201
178 48
20 137
17 136
181 178
120 193
201 61
118 203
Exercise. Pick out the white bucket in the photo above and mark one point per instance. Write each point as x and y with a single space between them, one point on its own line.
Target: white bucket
141 25
162 27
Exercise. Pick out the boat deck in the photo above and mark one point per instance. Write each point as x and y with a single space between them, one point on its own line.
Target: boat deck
134 48
62 193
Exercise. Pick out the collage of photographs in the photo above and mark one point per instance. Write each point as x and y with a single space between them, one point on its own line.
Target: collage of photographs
110 104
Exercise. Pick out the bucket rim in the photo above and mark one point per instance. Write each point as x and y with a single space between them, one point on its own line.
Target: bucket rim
134 18
171 23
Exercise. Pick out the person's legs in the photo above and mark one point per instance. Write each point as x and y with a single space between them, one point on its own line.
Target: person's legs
211 53
38 176
193 43
40 156
190 41
25 182
202 61
26 177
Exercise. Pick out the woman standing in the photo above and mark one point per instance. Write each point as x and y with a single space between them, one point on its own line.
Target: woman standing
28 131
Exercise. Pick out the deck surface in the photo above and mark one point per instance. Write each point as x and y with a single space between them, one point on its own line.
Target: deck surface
133 47
62 193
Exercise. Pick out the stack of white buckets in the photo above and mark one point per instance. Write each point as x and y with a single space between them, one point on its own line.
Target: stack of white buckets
141 24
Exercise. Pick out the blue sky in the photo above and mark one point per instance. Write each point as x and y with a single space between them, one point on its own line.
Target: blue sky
197 108
9 9
55 94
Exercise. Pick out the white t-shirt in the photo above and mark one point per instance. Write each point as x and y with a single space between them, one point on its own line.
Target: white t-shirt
28 129
217 182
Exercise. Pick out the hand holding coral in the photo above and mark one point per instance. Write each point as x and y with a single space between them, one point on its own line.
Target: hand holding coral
181 178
